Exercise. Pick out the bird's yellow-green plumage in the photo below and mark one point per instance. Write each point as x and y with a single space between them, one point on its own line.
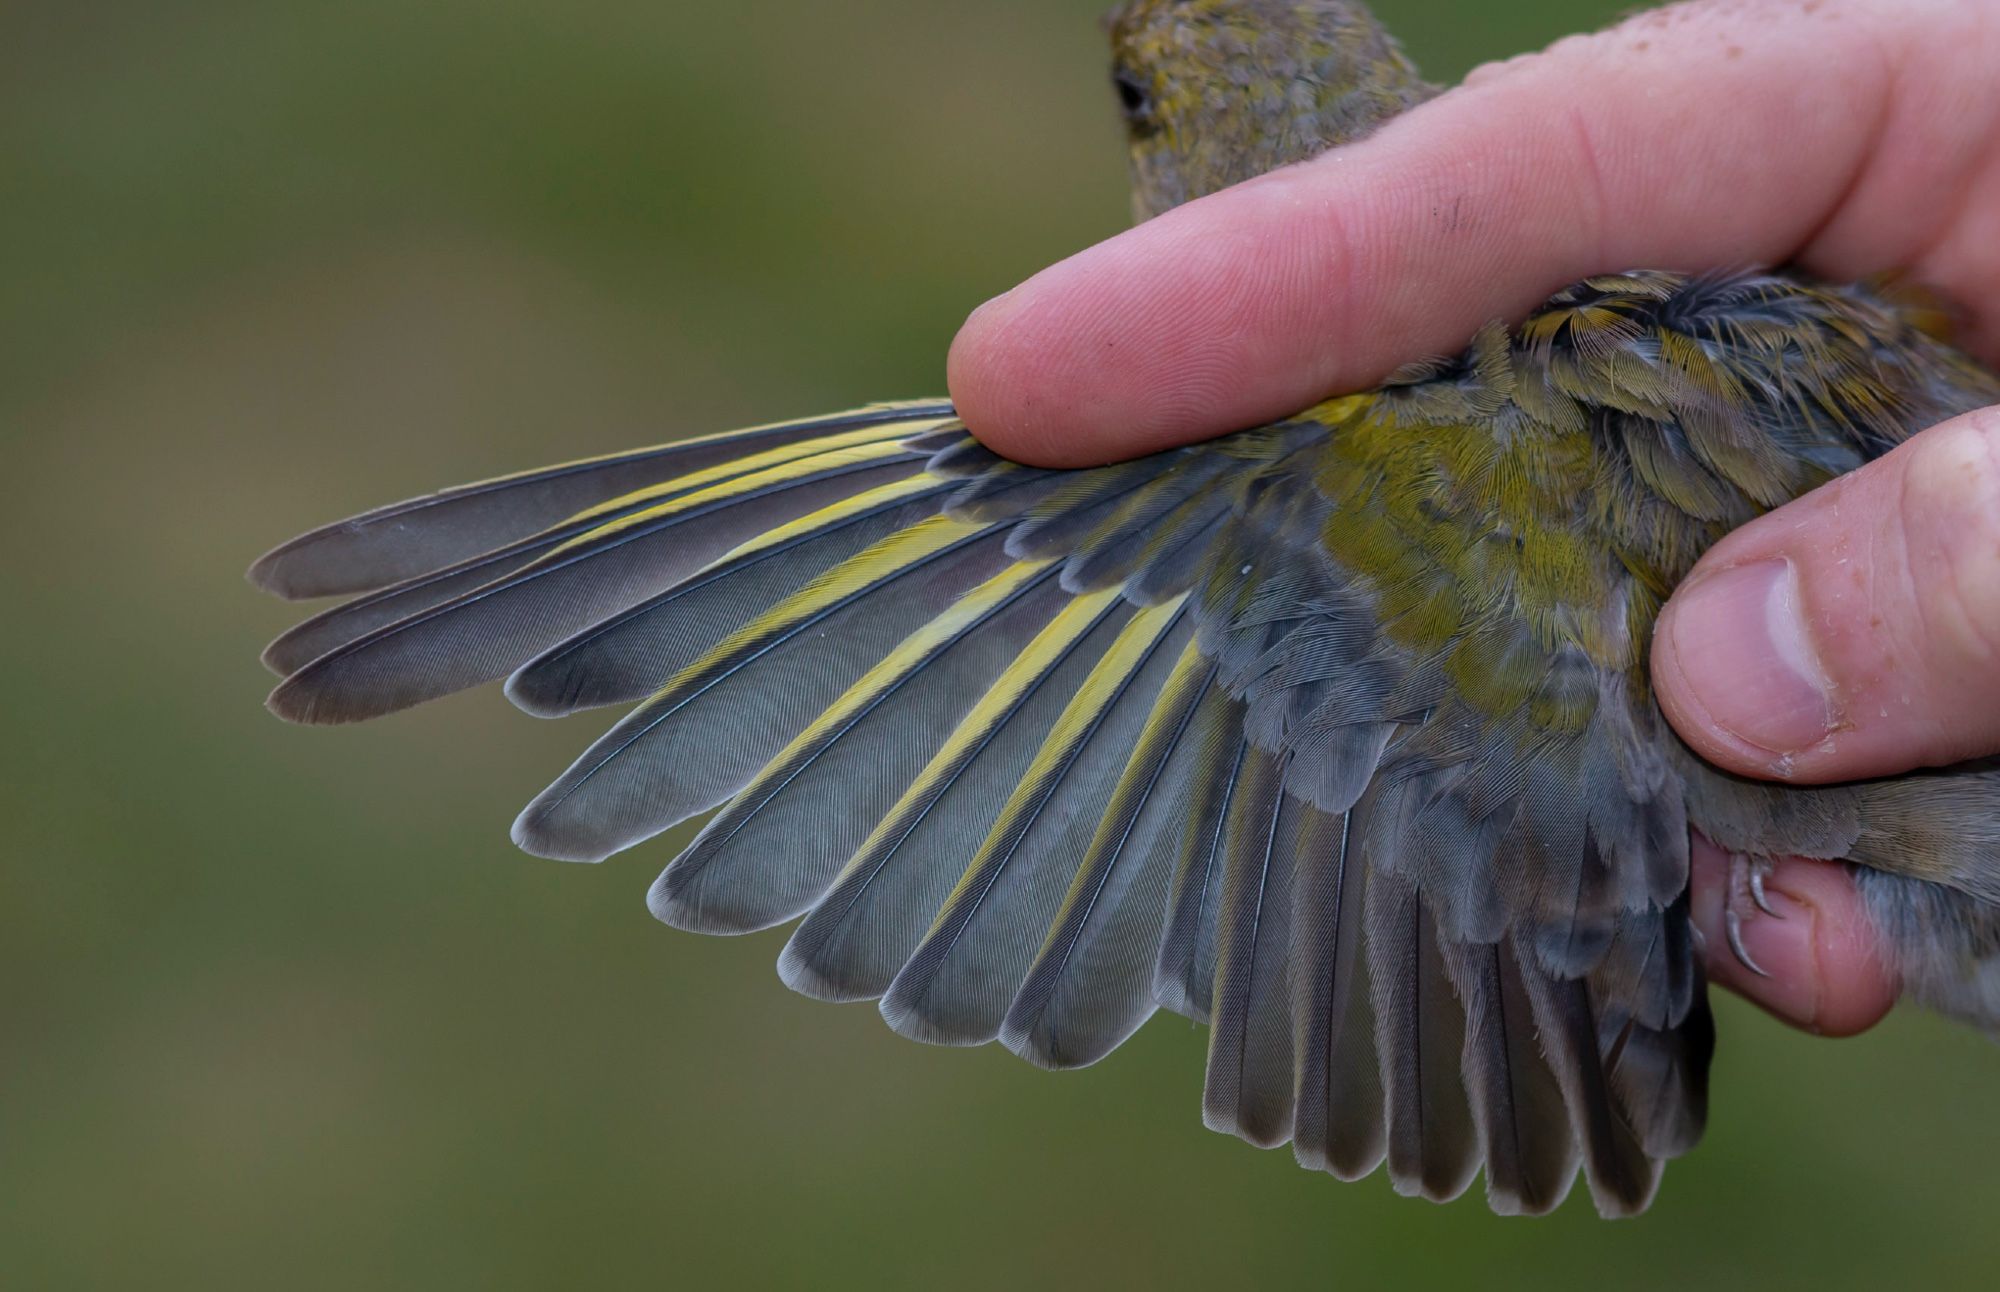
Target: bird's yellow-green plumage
1299 77
1334 734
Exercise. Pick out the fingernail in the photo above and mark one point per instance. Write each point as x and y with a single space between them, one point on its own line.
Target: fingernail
1744 650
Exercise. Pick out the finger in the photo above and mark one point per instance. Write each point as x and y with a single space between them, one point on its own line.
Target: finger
1823 965
1853 632
1696 138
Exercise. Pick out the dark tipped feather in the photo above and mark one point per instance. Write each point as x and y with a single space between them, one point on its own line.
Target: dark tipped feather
1433 1142
1091 506
778 845
347 623
1654 1029
962 979
1650 969
1184 978
1659 1077
492 630
758 688
1119 555
1622 1177
352 620
1091 984
1005 491
853 943
633 653
1168 568
1530 1148
1455 855
1332 765
408 539
1250 1082
1339 1123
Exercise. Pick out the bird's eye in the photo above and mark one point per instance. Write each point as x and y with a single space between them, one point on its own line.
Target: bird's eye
1136 98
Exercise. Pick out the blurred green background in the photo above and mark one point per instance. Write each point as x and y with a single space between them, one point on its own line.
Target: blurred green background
283 1007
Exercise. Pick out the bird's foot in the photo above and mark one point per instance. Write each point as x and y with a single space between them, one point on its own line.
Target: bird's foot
1746 889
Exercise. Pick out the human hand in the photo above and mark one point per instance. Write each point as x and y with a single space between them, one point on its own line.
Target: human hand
1847 136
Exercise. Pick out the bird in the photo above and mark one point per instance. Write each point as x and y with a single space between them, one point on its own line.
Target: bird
1334 735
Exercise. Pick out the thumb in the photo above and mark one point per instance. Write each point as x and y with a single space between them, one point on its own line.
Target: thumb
1850 633
1853 632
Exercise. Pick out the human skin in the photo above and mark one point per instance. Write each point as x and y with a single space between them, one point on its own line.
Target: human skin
1853 632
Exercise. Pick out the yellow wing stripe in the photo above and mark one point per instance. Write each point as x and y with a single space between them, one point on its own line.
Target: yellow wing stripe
1164 724
739 487
916 650
804 450
1069 626
1127 654
902 429
863 570
833 513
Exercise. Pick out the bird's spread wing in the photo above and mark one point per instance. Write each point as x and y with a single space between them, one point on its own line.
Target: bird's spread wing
1333 734
1033 752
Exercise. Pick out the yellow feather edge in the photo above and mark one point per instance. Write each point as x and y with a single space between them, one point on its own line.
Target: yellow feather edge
917 649
1128 652
1063 631
858 572
881 433
1191 676
902 429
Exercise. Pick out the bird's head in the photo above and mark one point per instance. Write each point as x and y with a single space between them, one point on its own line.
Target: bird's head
1216 91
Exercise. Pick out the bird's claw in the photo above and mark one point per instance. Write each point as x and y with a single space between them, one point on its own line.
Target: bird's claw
1746 879
1732 921
1759 870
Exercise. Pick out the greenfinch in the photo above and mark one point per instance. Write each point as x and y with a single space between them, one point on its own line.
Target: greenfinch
1335 735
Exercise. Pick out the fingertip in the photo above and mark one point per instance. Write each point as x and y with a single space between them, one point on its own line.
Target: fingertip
1169 333
1036 374
977 377
1824 970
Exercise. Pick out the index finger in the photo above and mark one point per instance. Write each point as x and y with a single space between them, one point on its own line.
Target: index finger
1692 138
